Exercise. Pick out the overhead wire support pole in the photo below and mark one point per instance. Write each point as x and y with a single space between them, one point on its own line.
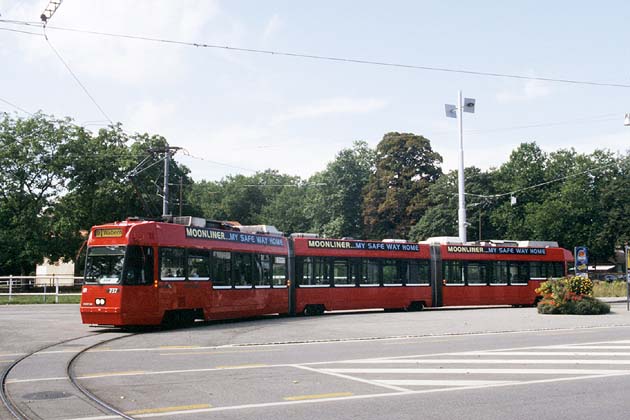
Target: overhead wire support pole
456 111
461 212
167 163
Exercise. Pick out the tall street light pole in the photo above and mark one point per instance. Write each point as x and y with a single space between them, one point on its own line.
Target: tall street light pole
455 111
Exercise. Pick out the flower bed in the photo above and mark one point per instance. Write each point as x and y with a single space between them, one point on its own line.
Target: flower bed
570 296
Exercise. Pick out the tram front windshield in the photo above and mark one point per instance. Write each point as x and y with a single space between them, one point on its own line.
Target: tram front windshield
104 264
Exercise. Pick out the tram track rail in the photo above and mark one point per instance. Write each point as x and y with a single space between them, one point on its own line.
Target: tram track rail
14 407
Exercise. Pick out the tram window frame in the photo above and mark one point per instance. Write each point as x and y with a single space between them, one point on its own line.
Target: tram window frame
242 270
522 273
392 272
201 255
279 271
221 269
537 270
481 277
262 263
179 270
143 271
341 270
453 272
373 273
418 273
499 273
358 269
558 269
315 272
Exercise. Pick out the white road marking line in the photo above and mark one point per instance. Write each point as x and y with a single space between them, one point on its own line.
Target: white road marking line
438 382
590 347
483 371
353 397
544 353
497 361
352 378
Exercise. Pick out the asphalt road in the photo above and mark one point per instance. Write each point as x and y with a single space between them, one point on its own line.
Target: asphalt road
438 364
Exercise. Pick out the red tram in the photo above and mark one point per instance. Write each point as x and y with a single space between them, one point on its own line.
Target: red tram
146 273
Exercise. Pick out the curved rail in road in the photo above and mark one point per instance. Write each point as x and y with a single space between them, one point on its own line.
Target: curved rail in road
13 407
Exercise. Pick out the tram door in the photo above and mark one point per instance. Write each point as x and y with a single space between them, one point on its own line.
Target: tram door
436 275
140 295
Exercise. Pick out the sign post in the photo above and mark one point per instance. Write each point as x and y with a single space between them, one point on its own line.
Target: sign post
581 261
627 249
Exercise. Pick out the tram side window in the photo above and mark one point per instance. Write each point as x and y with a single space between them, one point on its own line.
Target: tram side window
221 268
242 270
358 267
476 273
198 265
304 270
139 266
417 272
263 264
424 272
536 270
452 271
500 272
372 272
279 272
558 269
172 264
392 271
341 272
519 272
315 271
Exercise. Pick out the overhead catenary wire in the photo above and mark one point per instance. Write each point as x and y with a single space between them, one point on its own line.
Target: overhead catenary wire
329 58
76 78
512 193
20 31
16 107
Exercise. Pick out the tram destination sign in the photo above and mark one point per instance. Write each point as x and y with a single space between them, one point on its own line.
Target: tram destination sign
472 249
243 238
362 245
108 233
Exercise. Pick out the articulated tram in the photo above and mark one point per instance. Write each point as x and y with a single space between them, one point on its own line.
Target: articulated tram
141 272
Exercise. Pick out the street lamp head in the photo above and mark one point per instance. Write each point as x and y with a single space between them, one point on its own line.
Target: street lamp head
469 105
626 120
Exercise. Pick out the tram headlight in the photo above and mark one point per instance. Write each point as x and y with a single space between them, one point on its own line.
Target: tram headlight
99 301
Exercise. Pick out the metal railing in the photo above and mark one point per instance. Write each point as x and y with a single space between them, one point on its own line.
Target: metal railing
44 286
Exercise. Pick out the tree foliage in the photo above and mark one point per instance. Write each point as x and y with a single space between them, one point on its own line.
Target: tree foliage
59 179
396 195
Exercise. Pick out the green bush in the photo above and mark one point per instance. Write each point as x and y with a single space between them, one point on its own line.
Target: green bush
570 296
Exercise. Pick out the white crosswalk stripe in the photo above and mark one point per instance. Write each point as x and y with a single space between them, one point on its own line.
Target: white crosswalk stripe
474 369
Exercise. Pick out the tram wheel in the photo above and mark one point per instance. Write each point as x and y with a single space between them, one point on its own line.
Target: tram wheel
415 306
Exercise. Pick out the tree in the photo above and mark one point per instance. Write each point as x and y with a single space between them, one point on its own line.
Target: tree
396 196
335 195
524 169
30 162
441 218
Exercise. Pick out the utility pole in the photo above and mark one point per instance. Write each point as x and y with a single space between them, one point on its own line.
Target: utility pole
455 111
181 194
167 163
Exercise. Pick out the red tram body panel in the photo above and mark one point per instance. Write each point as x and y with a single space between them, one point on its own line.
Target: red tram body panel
171 274
497 275
348 274
148 273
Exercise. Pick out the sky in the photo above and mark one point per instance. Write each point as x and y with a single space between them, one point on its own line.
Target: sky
241 112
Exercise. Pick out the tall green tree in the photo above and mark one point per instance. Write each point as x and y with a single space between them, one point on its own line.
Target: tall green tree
396 196
525 169
335 196
30 159
441 218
